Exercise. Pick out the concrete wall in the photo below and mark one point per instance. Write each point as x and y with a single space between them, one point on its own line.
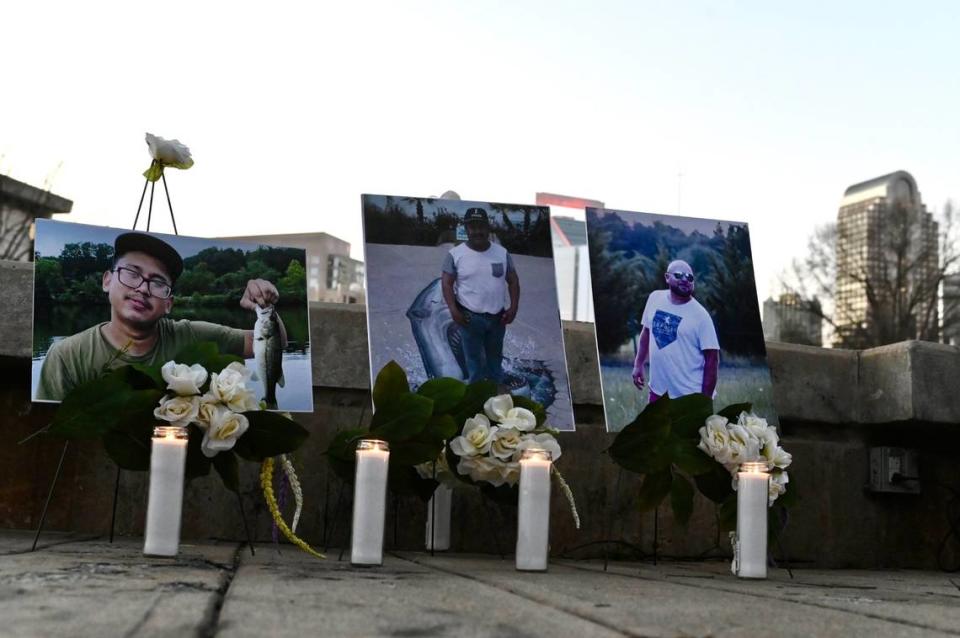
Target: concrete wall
833 405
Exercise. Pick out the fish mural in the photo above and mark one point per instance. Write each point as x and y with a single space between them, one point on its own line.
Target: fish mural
441 351
268 353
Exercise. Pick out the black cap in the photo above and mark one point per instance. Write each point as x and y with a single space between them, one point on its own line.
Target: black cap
475 215
144 243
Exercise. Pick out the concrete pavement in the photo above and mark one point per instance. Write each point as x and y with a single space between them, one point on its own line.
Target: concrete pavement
82 586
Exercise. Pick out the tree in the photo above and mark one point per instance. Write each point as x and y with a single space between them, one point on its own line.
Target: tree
881 283
732 295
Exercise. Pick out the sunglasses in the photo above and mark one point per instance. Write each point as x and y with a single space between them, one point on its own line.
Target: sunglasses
683 275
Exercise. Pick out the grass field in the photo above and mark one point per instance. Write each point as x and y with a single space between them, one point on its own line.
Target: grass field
737 384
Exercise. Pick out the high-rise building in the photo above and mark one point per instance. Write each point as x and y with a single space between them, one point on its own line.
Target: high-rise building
792 319
887 264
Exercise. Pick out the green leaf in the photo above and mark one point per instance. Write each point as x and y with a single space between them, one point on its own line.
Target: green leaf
391 382
732 412
681 498
441 427
473 400
154 172
689 458
129 445
446 393
225 463
102 404
269 434
654 489
208 355
400 417
728 514
538 410
688 414
152 373
643 445
715 484
342 453
415 451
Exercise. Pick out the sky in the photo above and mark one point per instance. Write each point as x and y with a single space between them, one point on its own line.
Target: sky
745 111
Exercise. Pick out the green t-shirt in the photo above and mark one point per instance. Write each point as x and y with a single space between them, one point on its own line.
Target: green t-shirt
81 357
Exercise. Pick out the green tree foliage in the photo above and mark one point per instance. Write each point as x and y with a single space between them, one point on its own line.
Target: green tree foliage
732 298
48 280
628 262
198 279
418 221
79 260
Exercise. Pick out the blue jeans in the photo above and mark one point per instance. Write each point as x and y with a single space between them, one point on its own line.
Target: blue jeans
483 346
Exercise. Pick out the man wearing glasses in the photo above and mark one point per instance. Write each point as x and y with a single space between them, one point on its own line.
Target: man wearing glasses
139 287
685 353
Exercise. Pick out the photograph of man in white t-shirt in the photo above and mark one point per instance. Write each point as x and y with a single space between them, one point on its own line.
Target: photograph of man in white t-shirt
684 352
482 291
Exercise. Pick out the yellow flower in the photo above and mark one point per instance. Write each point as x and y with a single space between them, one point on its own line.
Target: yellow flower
266 483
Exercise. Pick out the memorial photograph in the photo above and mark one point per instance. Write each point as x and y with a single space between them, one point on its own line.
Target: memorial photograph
466 290
677 312
107 297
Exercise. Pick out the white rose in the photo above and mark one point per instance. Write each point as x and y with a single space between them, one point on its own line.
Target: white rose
183 379
179 411
510 472
543 441
229 387
476 438
505 443
715 440
169 152
742 445
778 485
519 418
496 408
758 427
208 406
226 426
490 470
777 457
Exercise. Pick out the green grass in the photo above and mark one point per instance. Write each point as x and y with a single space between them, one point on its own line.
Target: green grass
623 402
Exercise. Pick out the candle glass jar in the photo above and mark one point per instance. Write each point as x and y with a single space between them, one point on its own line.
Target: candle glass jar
533 510
750 545
168 462
369 502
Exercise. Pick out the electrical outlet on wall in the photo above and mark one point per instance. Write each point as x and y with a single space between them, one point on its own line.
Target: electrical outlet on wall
894 470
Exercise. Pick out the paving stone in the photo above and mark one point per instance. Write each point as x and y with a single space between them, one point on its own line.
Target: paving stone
94 588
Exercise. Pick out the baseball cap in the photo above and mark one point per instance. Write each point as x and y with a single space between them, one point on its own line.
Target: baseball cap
475 215
153 246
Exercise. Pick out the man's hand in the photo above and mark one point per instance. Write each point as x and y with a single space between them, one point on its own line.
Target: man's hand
459 317
259 292
509 315
638 379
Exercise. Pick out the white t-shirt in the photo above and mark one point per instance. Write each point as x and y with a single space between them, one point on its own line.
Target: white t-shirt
679 333
481 277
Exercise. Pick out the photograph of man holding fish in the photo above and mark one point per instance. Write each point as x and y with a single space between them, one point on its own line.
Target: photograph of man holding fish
466 290
106 297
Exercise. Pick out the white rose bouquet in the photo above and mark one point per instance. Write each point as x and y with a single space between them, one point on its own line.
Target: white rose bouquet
749 439
489 447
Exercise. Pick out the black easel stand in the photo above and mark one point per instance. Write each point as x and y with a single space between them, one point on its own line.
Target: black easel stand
116 487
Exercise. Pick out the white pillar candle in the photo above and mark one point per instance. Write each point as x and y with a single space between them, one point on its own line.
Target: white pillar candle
533 511
369 502
438 519
750 555
168 461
